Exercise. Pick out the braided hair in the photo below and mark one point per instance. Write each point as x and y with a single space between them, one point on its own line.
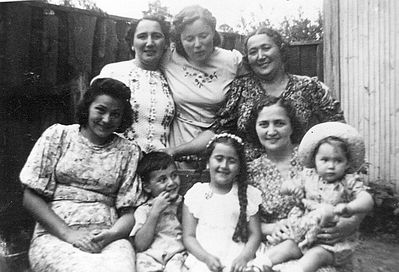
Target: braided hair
241 230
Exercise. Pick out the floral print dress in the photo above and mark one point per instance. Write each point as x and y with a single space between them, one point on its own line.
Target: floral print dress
311 99
84 184
151 100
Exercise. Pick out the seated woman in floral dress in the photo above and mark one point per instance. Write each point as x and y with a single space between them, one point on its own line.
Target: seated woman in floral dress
81 187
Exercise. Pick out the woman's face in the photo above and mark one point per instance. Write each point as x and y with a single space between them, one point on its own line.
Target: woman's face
105 116
273 127
148 44
197 41
264 56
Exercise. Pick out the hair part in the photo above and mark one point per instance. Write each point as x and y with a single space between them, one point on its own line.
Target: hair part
267 101
276 38
336 142
113 88
151 162
187 16
241 230
165 28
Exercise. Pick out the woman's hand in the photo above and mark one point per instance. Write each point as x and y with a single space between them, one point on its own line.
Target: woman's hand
214 263
82 239
338 231
239 264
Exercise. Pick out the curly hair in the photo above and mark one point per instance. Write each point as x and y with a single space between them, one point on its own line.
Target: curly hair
266 101
276 38
241 230
187 16
165 28
113 88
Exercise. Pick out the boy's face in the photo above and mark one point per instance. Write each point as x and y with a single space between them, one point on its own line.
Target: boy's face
166 180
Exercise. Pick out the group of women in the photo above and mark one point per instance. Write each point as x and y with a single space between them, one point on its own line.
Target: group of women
80 181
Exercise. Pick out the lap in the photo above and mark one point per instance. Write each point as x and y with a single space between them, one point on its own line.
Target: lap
48 253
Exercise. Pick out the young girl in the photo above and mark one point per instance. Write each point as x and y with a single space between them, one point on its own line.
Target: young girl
332 151
221 228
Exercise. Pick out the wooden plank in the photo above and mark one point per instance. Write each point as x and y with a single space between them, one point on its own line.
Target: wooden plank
50 47
18 34
331 45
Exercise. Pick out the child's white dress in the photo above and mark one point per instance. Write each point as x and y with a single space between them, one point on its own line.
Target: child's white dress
217 216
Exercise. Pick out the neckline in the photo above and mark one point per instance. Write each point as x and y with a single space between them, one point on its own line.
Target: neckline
92 145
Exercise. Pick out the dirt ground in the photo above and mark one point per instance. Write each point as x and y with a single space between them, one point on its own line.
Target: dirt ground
379 253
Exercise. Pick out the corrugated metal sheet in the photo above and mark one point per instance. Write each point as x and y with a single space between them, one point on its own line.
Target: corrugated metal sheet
368 87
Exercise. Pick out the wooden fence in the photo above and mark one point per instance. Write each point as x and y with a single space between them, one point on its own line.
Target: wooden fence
48 54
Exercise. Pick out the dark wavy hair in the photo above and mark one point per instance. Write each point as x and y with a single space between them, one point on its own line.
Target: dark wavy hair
187 16
165 28
113 88
153 161
276 38
266 101
241 230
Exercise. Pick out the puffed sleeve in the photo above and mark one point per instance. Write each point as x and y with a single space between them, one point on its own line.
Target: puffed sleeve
326 106
254 200
355 185
130 193
38 171
140 216
194 197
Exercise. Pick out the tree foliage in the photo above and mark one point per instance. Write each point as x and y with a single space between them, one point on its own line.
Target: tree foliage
155 8
292 29
83 4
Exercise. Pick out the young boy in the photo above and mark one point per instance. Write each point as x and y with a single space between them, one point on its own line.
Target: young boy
157 234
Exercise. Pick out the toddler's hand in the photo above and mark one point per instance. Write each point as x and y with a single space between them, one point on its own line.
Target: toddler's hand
214 263
343 210
238 264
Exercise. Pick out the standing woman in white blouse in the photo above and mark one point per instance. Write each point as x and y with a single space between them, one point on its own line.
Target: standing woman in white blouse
199 73
151 100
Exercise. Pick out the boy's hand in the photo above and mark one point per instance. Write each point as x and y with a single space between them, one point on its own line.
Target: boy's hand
161 202
102 237
214 263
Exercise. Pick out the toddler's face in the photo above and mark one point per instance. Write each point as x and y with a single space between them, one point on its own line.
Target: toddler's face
167 180
331 162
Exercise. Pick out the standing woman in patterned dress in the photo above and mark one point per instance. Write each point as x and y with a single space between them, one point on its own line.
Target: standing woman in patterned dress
199 73
81 187
152 102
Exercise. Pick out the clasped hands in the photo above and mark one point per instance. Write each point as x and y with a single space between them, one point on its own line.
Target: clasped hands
90 241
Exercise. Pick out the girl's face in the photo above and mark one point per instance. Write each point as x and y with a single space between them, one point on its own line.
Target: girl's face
148 44
331 162
264 56
197 41
105 116
224 166
273 127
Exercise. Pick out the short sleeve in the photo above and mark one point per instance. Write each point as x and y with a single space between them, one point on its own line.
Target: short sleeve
130 193
193 198
38 171
254 200
140 217
355 185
